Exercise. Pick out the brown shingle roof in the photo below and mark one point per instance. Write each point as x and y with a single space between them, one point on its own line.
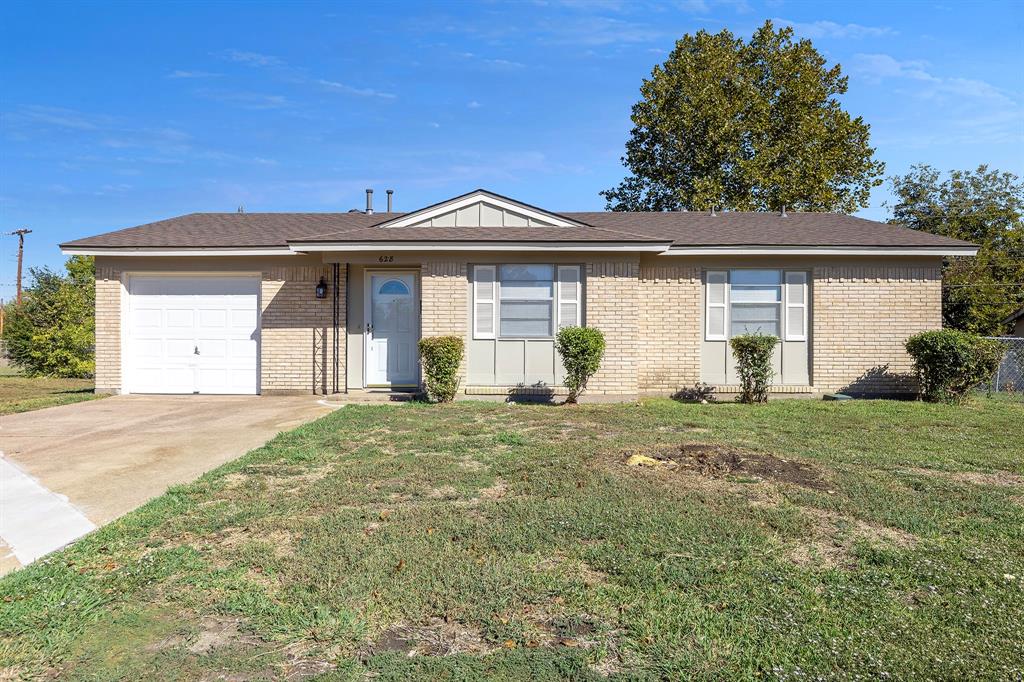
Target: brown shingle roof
234 230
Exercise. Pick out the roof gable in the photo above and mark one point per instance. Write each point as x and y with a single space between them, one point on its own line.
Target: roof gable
481 208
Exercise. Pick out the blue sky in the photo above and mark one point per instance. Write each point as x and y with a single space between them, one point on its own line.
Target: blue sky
120 114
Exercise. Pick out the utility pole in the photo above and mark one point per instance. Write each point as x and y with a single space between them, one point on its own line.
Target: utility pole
21 253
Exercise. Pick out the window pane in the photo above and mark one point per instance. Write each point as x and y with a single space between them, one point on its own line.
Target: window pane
766 328
527 273
752 294
754 318
531 290
525 318
756 277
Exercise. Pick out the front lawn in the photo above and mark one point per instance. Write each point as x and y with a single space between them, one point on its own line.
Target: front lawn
19 393
799 539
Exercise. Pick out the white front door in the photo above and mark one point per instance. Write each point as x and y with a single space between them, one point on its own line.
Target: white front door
392 329
192 334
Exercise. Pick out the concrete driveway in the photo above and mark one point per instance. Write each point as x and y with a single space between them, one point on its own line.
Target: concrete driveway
66 470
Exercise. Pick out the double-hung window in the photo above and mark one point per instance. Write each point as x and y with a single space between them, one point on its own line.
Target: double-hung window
527 301
749 301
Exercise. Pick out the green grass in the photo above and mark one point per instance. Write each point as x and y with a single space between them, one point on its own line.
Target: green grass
512 542
19 393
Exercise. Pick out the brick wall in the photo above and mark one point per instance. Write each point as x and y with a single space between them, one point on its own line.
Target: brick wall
108 330
668 344
297 331
862 315
612 305
443 301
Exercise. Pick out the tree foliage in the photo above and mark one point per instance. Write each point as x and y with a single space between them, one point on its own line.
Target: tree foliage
53 331
951 363
754 365
581 350
747 126
441 357
985 207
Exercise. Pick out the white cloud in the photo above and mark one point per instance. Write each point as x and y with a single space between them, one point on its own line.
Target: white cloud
473 104
56 117
830 29
350 90
878 67
255 101
192 74
253 58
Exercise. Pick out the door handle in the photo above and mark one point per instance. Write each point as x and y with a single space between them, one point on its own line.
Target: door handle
196 351
369 328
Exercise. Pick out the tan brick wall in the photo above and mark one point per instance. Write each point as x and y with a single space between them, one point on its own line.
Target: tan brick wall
108 329
444 306
862 316
669 339
297 331
613 306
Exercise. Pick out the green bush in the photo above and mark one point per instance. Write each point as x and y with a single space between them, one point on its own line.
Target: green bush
754 365
581 349
52 332
949 363
441 357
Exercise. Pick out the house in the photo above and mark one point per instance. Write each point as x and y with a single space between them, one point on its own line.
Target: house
336 302
1017 320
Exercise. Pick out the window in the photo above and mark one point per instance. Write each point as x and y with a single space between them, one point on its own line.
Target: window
528 301
755 302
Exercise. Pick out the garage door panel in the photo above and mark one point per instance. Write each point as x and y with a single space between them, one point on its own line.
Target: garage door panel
180 318
210 319
171 317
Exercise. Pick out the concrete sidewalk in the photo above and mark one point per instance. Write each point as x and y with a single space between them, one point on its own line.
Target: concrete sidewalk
107 457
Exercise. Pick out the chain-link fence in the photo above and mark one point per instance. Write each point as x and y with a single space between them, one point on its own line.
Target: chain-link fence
1009 378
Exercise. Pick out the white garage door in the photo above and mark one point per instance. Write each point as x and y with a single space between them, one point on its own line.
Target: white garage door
196 334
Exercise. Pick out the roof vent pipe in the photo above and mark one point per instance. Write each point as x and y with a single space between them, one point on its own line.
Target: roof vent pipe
713 214
369 202
391 193
783 214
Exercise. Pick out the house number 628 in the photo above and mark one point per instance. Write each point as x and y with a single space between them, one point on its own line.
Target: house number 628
385 259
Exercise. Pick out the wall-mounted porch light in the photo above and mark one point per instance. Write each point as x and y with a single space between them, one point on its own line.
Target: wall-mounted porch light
321 288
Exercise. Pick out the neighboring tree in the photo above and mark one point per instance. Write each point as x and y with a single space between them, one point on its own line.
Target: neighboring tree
745 126
581 350
985 207
53 331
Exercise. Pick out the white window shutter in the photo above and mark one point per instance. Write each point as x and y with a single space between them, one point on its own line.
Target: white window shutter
796 306
570 295
485 297
716 308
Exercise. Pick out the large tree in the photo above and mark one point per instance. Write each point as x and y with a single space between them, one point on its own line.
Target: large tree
52 332
981 206
747 126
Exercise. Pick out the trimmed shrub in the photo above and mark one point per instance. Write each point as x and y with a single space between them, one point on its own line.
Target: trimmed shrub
754 365
950 363
581 349
441 357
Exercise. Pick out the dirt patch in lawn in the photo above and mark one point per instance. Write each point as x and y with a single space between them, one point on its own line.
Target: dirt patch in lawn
833 535
723 461
436 638
216 633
